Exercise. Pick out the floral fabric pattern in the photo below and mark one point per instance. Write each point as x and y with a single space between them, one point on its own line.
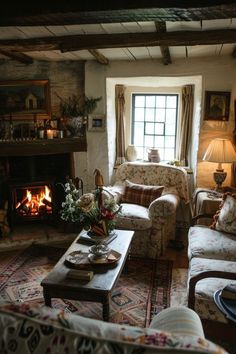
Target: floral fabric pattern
225 219
206 243
205 288
155 225
32 329
155 174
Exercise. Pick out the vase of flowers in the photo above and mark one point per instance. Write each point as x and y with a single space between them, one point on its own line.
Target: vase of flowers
91 211
74 111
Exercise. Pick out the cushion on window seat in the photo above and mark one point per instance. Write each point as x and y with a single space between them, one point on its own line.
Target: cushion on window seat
133 217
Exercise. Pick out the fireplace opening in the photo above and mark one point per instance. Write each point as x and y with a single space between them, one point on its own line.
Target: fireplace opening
32 202
33 187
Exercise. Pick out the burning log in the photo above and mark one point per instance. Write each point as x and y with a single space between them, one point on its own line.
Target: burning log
22 204
47 202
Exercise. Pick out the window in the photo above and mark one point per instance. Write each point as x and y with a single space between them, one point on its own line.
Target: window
154 124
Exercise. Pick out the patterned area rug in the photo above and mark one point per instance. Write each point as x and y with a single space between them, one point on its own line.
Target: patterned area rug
142 290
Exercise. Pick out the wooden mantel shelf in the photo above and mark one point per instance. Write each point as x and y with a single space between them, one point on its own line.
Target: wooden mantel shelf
42 146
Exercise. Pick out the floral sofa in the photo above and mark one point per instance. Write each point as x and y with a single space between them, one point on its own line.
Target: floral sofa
212 266
154 225
32 329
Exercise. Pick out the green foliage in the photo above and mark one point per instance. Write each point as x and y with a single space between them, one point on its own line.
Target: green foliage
75 106
86 210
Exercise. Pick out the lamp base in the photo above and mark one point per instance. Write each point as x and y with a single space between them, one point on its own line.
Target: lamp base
219 177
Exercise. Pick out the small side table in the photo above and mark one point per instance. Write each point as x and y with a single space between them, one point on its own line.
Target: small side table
206 201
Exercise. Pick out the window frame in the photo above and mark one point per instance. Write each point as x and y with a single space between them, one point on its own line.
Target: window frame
133 95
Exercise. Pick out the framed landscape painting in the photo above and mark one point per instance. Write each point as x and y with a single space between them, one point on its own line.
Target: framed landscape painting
217 105
25 99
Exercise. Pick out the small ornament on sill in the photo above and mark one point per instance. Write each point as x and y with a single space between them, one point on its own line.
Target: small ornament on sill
131 153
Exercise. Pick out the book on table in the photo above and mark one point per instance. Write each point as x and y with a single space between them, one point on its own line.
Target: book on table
88 240
80 274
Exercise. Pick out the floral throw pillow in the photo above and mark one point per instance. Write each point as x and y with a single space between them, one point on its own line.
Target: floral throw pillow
225 218
140 194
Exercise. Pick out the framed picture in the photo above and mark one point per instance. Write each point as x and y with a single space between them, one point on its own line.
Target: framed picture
96 122
25 99
217 105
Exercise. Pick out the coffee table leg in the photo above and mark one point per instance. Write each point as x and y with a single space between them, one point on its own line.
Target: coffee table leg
106 308
47 298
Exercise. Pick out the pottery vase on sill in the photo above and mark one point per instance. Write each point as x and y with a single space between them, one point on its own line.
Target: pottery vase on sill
153 155
131 153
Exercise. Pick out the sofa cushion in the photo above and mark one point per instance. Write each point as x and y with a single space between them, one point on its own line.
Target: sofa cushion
133 217
225 218
205 288
140 194
206 243
30 328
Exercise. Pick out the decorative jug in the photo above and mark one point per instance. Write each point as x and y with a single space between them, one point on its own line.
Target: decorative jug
131 153
153 155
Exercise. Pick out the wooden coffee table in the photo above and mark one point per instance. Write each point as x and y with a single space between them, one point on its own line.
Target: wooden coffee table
98 289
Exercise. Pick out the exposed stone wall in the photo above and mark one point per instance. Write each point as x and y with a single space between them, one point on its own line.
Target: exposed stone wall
65 78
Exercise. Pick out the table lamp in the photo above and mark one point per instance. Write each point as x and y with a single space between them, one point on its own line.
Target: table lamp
220 151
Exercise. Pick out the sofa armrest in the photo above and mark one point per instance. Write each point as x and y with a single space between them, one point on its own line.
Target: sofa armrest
115 192
73 334
206 274
178 319
164 206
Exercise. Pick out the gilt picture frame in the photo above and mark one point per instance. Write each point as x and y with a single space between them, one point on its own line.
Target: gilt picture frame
217 104
96 122
25 99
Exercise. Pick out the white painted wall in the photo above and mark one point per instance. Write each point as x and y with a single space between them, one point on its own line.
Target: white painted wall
216 75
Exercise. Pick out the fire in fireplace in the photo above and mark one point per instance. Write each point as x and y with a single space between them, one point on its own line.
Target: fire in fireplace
33 201
33 187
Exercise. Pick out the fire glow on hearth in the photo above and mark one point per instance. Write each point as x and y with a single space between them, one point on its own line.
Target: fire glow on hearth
35 202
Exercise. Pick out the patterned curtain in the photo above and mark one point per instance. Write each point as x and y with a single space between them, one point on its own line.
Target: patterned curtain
183 141
120 130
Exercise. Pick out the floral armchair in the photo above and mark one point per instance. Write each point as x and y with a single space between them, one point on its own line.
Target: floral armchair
154 224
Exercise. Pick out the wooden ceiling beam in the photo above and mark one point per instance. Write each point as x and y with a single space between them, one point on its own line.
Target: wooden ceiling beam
43 13
21 57
120 40
165 52
99 56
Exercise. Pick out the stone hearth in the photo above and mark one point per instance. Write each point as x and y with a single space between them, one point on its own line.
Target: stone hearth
26 235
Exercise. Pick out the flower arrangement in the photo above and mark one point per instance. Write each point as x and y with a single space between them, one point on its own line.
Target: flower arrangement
89 210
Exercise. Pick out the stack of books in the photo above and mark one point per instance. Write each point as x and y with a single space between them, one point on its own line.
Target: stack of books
226 301
88 240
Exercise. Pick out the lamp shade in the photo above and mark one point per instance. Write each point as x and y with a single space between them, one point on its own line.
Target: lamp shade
221 151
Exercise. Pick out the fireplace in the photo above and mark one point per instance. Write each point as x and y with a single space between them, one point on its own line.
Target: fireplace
33 186
32 201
